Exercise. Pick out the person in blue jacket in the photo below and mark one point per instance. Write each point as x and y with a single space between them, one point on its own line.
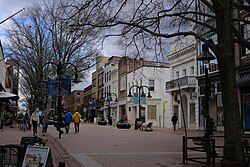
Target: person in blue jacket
67 119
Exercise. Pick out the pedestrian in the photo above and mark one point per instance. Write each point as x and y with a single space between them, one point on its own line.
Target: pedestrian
34 120
67 119
174 120
25 120
45 123
76 119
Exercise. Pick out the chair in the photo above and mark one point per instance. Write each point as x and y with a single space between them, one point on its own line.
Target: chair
147 127
11 155
25 141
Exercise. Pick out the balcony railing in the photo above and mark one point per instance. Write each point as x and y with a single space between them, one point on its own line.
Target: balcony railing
187 81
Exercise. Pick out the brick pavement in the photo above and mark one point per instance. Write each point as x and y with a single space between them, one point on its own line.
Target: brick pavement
59 153
106 146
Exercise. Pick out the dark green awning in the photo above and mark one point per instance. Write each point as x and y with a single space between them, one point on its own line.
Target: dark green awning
244 81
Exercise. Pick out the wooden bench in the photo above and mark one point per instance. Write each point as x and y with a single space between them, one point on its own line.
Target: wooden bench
147 127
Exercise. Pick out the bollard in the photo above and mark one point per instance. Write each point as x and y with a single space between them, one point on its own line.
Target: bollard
61 164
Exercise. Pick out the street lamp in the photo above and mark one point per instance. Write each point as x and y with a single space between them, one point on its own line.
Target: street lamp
60 76
141 93
109 99
206 57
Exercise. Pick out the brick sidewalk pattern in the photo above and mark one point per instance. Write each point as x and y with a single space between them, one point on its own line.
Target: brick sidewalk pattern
60 154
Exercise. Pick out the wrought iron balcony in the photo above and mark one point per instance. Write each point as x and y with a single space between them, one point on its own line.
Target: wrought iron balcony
184 82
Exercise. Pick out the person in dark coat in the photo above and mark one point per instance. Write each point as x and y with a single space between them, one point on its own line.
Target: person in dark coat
174 120
67 119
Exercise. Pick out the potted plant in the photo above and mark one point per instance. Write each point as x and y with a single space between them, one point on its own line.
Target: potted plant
122 124
229 159
102 121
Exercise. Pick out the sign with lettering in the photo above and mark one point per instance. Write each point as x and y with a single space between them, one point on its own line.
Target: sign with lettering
36 156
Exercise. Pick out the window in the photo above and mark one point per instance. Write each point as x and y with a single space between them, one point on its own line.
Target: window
78 100
192 113
109 75
123 83
184 71
151 84
177 74
151 111
78 93
192 70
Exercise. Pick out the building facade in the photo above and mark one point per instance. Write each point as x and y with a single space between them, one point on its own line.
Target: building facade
183 86
150 109
74 101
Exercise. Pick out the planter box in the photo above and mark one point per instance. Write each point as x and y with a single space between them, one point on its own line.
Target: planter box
226 163
102 123
123 125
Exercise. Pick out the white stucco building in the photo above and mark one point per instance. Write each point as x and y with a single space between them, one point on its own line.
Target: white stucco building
183 86
155 109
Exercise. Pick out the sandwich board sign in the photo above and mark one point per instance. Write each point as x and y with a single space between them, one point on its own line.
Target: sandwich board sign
36 156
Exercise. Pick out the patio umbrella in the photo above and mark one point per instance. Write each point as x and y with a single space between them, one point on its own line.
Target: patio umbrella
7 96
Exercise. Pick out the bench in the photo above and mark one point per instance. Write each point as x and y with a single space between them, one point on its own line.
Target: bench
147 127
247 150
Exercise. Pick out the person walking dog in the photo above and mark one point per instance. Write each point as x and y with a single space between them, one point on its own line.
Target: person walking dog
174 120
76 119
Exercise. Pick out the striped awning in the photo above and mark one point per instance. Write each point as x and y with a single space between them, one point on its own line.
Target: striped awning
244 81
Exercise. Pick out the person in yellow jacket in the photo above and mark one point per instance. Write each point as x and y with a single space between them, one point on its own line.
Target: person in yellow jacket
76 119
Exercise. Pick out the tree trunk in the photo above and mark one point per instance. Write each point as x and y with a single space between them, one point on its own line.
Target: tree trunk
232 120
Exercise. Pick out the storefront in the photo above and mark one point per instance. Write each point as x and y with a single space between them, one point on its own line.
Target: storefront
244 86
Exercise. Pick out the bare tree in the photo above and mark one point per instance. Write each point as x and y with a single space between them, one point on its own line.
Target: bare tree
143 21
42 34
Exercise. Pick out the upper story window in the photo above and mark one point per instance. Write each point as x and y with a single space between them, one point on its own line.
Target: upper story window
177 75
109 76
123 83
93 83
184 71
78 93
246 30
192 70
151 84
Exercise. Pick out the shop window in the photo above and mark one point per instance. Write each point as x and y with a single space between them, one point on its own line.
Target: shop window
151 111
246 111
192 113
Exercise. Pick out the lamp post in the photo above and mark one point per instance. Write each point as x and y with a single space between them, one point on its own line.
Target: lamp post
60 76
141 93
206 57
109 97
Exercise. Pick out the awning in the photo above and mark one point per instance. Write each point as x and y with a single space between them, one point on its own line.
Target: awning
7 96
244 81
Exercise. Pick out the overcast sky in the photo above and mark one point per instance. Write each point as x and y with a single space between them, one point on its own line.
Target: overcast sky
9 7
